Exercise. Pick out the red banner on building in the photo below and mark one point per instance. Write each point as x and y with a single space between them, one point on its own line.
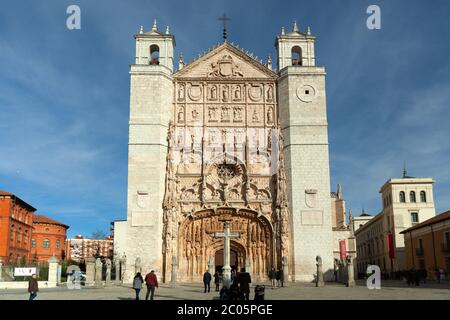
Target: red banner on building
343 250
391 246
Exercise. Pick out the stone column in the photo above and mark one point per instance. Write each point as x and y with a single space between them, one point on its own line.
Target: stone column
98 273
53 271
211 265
247 264
1 269
285 263
173 280
226 269
350 273
90 271
123 267
319 280
108 272
59 274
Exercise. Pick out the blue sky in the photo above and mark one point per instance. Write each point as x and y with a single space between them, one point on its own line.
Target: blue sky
64 95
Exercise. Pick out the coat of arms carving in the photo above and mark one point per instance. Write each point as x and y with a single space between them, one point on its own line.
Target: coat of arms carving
225 67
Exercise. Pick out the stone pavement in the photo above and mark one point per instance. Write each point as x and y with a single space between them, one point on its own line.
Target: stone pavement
391 290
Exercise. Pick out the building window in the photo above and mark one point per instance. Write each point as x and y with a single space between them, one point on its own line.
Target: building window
33 243
46 243
423 196
296 55
154 54
414 217
57 244
412 196
402 196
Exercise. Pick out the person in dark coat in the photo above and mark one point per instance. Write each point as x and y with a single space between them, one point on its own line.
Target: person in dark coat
244 281
137 284
280 275
273 277
259 292
33 287
207 280
217 280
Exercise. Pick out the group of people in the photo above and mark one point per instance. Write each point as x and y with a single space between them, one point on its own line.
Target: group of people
151 281
415 277
239 288
276 278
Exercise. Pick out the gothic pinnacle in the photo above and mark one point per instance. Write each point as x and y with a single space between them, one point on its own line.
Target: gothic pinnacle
167 30
154 27
309 31
295 29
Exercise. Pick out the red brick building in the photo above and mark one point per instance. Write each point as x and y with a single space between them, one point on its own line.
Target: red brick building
48 238
16 226
25 236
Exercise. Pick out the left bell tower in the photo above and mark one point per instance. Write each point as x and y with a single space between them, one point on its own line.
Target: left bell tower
151 96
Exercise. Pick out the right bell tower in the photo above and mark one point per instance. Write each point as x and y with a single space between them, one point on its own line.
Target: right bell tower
303 120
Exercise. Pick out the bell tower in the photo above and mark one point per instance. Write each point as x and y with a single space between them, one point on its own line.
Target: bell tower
151 97
303 120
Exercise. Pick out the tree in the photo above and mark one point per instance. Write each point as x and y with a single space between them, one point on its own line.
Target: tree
98 235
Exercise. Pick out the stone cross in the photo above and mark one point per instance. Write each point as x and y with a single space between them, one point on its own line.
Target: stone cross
226 235
108 272
319 280
247 264
211 265
173 280
98 273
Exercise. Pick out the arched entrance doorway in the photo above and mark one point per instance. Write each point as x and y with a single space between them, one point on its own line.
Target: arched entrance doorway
197 245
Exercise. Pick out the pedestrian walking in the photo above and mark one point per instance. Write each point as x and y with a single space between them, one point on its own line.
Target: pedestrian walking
441 275
152 282
278 278
244 281
273 277
207 281
217 280
137 284
33 287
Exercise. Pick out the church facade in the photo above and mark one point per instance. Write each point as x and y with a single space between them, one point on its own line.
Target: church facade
228 138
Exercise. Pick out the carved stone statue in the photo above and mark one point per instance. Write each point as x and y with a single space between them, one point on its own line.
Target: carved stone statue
270 94
237 92
181 115
137 265
108 271
213 93
98 273
270 115
181 92
225 93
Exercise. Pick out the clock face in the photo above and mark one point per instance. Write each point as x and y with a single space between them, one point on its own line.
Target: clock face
306 93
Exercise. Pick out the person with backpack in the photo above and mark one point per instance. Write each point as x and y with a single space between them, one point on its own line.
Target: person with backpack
137 284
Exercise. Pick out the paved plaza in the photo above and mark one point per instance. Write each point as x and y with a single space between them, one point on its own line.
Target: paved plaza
391 290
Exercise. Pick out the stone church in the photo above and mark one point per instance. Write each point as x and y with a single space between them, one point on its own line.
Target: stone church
227 137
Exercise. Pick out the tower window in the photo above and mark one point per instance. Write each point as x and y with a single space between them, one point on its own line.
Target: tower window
296 55
154 54
412 196
402 196
414 217
306 91
423 196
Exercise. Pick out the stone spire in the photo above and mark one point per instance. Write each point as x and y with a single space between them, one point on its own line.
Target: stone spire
155 27
339 191
167 30
141 31
282 31
295 29
181 62
309 31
